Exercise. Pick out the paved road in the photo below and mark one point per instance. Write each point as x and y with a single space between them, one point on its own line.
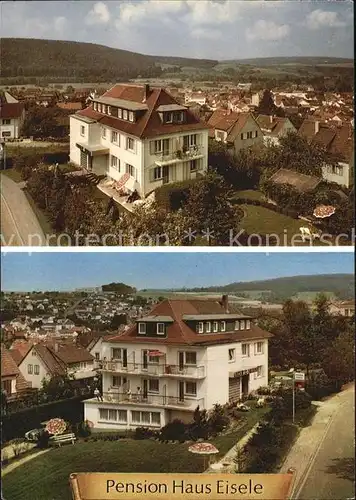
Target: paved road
19 224
330 476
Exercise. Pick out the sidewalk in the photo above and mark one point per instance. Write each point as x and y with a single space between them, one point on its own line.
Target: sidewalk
310 438
227 464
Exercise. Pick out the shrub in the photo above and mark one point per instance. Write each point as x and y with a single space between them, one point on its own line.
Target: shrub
43 440
174 431
145 433
83 429
218 420
199 428
172 197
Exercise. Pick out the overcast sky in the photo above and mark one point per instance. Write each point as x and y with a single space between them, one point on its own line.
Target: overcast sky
221 29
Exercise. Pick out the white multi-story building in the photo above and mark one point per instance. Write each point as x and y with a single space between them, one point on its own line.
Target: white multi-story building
184 354
140 137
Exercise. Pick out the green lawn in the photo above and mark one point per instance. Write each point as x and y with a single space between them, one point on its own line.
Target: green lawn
13 174
46 477
250 194
260 220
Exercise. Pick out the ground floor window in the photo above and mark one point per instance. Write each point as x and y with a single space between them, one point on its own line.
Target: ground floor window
157 173
111 415
146 417
130 170
6 134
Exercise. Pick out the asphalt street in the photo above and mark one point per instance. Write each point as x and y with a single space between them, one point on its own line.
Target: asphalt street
330 475
19 224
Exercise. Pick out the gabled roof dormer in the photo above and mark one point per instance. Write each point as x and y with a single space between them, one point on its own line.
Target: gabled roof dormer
153 326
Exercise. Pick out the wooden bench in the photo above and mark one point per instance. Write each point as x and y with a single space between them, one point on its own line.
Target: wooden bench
63 438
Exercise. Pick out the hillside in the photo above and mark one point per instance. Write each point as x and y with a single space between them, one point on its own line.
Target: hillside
55 60
280 61
22 57
340 285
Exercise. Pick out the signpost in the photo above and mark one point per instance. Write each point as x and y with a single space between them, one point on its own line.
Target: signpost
298 377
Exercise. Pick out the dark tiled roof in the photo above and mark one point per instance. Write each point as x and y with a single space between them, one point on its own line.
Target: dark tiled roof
230 122
11 110
71 354
180 333
8 364
148 123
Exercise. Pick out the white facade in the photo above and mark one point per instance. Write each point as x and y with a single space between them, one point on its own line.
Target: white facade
116 153
33 369
173 384
340 174
10 128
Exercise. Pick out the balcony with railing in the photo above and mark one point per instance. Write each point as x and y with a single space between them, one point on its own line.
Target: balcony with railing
160 400
185 154
153 369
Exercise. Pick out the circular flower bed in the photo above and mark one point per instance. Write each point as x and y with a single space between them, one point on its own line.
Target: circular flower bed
56 426
322 211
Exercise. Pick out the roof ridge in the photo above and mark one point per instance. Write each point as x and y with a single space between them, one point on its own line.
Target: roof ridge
178 320
145 123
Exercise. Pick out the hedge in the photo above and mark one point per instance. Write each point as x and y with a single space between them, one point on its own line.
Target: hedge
173 196
17 424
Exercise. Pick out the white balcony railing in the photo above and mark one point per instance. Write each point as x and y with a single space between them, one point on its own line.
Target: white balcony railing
184 154
125 398
154 369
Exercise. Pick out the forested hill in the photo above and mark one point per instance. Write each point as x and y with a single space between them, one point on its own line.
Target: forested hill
121 288
342 285
22 57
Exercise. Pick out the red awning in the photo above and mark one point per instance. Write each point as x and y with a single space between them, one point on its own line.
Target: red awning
156 353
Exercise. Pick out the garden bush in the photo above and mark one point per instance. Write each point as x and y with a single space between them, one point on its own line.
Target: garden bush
43 439
218 420
173 196
82 429
145 433
174 431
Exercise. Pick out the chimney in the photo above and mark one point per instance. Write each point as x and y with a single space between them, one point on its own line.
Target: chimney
56 347
316 123
270 118
147 92
225 303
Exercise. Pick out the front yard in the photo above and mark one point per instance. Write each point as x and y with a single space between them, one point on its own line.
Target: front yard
46 477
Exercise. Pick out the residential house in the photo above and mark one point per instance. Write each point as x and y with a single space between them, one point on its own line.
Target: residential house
12 381
12 116
345 308
237 130
198 97
338 142
274 127
183 354
44 361
140 138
